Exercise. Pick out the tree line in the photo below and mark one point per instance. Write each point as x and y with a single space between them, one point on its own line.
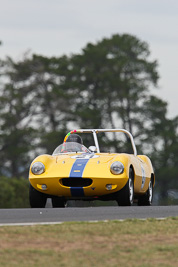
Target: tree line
106 85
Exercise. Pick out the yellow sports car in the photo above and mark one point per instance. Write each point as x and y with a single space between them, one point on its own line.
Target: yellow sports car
74 172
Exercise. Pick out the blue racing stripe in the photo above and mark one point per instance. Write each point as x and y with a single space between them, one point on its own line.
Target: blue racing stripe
78 168
77 172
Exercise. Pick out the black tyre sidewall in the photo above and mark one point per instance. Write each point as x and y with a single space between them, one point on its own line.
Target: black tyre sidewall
145 199
36 198
58 202
124 194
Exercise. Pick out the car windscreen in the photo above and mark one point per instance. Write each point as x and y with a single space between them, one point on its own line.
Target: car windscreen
70 147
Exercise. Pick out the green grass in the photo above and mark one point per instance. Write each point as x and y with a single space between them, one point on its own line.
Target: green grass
141 243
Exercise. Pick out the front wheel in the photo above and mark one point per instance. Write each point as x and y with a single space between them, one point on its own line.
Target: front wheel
146 200
36 198
126 194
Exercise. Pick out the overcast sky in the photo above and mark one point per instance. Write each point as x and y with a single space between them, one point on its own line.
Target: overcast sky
57 27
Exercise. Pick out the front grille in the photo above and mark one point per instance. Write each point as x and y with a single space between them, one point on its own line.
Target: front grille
76 182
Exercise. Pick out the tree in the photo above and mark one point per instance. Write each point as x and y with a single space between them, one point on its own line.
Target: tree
16 134
35 108
113 79
162 145
50 98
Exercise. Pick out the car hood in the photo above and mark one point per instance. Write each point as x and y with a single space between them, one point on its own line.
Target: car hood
92 158
77 165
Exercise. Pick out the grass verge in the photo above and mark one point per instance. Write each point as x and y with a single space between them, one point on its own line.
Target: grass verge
140 243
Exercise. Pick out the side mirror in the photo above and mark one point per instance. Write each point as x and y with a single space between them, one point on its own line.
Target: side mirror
92 149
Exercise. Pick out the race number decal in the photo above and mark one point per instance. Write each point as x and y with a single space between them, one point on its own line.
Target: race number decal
85 156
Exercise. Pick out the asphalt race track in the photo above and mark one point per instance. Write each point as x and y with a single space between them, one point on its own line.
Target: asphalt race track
58 215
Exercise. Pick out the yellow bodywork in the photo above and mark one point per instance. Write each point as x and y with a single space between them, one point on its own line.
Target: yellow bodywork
96 168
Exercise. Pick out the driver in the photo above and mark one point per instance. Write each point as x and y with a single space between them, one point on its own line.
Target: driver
74 143
75 138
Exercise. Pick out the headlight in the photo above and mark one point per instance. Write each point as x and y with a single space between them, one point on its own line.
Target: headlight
38 168
117 167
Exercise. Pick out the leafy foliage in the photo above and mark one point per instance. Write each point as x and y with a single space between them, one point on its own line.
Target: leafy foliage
14 193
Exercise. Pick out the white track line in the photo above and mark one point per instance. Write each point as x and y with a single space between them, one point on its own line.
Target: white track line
92 221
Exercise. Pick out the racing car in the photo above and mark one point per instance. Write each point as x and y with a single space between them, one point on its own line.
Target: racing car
75 172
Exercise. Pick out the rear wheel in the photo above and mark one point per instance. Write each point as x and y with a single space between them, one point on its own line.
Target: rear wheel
146 200
58 202
36 198
126 194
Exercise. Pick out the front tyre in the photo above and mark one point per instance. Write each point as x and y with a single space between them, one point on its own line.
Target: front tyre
126 194
36 198
58 202
146 200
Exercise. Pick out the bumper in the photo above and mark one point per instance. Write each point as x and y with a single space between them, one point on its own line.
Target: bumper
89 188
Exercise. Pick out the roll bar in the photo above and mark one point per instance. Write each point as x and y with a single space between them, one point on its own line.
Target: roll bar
96 131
